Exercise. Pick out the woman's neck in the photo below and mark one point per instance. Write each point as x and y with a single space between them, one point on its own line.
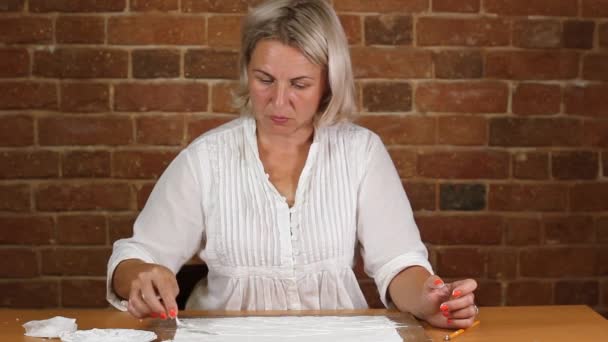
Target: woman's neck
299 141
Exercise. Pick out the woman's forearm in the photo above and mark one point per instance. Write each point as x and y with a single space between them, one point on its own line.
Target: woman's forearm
124 275
406 291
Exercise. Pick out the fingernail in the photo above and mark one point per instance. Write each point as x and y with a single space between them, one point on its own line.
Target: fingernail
457 293
443 307
445 313
172 313
154 315
449 321
163 315
438 282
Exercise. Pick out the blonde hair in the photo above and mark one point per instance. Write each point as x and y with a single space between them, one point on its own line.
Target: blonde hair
313 27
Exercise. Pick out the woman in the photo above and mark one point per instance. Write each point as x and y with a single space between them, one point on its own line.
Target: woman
275 201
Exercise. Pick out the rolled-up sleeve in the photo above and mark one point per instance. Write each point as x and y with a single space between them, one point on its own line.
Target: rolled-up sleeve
170 228
389 238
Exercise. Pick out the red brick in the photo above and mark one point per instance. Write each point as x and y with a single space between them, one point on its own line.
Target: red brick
502 263
595 67
163 97
422 196
383 6
215 6
462 130
553 262
464 164
85 164
401 130
527 7
160 130
522 231
535 132
81 230
577 292
488 293
405 161
26 30
378 62
26 230
11 5
83 293
460 262
154 5
601 223
537 34
198 126
14 197
143 192
530 165
90 196
29 164
538 65
439 31
85 97
461 229
16 130
18 263
75 261
587 100
80 30
578 34
529 293
575 165
528 197
29 294
28 95
120 227
603 34
81 63
224 31
458 64
569 229
387 97
156 63
77 6
221 97
589 197
594 8
108 130
211 64
152 29
14 62
537 99
388 30
140 164
352 28
459 6
461 97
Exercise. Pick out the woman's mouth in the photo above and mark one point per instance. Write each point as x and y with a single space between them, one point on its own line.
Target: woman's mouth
279 120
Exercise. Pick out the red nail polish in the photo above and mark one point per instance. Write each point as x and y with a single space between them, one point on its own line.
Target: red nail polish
438 282
457 293
172 313
443 307
153 315
449 321
445 314
163 315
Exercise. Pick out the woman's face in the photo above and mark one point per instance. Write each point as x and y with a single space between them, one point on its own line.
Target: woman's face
285 88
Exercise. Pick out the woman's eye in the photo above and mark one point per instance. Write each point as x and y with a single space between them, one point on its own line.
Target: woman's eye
265 80
300 86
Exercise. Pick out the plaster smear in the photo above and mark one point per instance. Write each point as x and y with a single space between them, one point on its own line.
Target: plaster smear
289 328
109 335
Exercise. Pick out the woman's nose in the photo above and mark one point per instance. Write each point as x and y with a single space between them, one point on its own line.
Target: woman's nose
280 95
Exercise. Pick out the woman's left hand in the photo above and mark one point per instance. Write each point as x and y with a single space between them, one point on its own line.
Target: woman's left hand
450 305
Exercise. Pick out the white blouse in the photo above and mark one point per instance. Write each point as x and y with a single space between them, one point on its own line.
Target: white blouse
216 200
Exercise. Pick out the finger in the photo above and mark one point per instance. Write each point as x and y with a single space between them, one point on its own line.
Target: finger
468 312
458 303
168 290
151 299
454 323
462 287
136 306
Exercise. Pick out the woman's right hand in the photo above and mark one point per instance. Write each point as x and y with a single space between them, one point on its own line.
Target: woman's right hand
150 288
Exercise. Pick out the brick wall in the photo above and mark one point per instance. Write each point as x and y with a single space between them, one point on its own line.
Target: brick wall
494 111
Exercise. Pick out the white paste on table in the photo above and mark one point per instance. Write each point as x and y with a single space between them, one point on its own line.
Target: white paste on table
109 335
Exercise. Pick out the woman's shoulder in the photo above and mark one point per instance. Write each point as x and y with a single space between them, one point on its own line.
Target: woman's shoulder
353 135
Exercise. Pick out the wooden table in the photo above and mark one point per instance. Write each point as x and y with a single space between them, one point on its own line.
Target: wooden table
521 324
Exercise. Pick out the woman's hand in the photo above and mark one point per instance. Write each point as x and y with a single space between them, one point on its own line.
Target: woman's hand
451 305
151 289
